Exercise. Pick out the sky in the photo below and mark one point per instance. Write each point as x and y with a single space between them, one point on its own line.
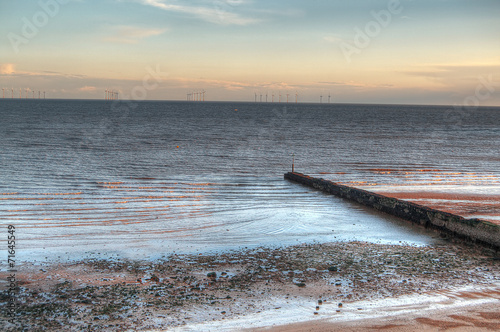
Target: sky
443 52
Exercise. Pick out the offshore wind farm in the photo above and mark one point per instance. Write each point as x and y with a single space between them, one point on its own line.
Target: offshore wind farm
28 93
144 142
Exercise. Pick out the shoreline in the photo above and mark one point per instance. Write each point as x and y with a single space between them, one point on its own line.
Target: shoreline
466 315
476 231
481 206
182 292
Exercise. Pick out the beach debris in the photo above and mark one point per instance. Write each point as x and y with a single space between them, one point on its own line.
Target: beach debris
188 291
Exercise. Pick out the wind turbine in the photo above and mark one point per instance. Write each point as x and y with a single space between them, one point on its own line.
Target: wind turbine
280 97
261 97
287 97
321 99
20 93
296 96
266 97
273 97
329 95
12 93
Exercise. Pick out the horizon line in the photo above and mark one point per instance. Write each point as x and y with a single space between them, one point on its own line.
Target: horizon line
249 102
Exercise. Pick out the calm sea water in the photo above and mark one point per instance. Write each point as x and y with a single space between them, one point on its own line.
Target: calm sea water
85 178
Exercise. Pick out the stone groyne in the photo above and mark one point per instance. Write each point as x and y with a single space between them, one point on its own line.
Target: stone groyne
471 230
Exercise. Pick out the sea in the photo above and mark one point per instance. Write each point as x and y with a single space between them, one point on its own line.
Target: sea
143 180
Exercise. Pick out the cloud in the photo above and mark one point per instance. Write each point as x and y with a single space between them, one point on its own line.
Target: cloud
331 83
46 75
7 69
132 35
224 84
88 88
219 13
451 74
10 69
332 39
353 84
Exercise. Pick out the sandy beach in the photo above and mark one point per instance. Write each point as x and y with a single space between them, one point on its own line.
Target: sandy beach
485 207
466 317
319 286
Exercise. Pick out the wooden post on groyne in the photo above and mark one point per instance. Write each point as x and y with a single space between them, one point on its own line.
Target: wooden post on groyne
471 230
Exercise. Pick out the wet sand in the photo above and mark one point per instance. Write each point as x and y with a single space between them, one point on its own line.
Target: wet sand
485 207
259 288
469 317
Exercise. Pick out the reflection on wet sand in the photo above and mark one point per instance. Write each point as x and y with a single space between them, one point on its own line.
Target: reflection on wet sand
468 194
161 216
486 207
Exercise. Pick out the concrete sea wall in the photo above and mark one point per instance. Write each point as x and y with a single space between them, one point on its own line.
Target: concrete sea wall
471 230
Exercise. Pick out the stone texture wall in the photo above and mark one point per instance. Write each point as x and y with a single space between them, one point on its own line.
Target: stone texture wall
472 230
